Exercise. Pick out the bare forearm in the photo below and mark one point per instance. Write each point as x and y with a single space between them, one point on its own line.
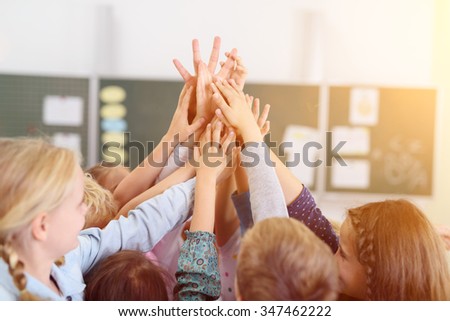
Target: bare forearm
179 176
205 196
144 176
226 221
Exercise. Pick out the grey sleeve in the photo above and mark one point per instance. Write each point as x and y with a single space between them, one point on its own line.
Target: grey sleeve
266 195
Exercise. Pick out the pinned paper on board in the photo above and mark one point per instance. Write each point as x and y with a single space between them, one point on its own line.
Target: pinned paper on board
356 140
356 175
364 106
70 141
63 111
300 159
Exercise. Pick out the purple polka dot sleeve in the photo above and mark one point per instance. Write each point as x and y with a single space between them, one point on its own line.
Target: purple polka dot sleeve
304 209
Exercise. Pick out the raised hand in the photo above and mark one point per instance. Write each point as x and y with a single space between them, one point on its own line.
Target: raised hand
213 60
180 123
261 119
235 68
213 154
201 79
235 111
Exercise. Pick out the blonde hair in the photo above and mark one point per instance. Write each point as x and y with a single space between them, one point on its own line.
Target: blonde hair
101 173
282 260
403 256
100 203
35 177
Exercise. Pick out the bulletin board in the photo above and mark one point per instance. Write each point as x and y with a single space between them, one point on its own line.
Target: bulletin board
52 107
294 117
389 134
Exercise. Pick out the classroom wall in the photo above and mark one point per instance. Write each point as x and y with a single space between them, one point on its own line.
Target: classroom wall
379 42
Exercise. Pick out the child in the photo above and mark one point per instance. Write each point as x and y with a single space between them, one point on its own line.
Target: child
234 110
127 276
107 175
42 213
266 203
198 276
390 251
100 204
282 260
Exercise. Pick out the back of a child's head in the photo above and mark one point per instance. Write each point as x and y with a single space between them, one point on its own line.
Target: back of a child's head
282 260
403 256
108 175
100 203
127 276
35 177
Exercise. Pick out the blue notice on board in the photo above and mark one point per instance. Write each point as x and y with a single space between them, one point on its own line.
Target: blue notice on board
114 125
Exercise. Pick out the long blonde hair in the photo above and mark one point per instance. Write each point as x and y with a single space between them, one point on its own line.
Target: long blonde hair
282 260
35 177
403 256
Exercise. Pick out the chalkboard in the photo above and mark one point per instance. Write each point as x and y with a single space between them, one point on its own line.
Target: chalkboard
22 100
390 140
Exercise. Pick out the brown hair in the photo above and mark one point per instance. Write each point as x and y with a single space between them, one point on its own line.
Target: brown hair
35 177
127 276
282 260
402 254
100 202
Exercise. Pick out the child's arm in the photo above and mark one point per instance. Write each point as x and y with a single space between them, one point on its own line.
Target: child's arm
141 230
301 203
198 276
266 196
143 176
179 176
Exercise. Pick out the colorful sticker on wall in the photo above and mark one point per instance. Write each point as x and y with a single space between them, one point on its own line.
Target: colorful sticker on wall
364 106
113 124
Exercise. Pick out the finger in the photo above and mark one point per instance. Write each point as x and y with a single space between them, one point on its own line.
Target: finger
216 135
222 118
226 89
255 108
202 80
232 54
220 101
185 98
214 121
263 117
227 141
183 94
183 71
214 58
196 154
227 67
235 86
195 126
206 138
196 54
266 128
